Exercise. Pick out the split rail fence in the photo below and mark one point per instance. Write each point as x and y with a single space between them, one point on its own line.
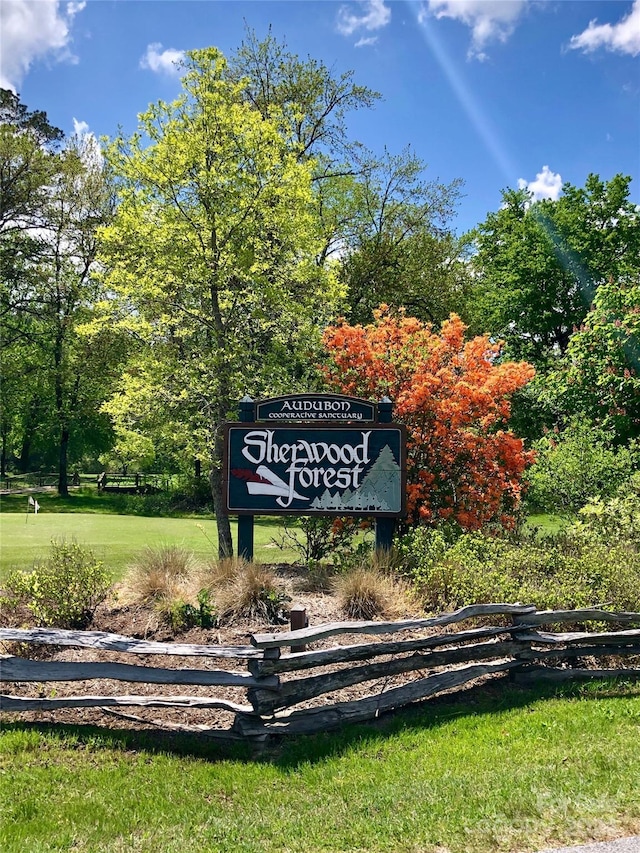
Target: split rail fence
304 691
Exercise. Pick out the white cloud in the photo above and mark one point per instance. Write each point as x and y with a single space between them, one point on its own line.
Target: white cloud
547 184
162 61
375 16
33 30
489 20
80 128
623 37
366 42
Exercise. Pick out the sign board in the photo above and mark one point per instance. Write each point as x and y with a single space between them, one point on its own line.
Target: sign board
319 408
307 469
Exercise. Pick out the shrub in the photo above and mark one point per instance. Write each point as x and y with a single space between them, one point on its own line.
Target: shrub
366 592
615 521
320 538
160 573
252 592
463 465
64 590
557 573
577 465
182 615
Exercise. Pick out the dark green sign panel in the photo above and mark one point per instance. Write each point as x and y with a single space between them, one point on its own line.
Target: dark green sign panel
304 469
319 408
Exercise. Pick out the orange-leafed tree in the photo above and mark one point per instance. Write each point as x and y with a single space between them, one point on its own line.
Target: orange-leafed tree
454 396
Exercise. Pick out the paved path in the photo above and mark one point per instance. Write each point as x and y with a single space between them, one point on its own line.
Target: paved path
622 845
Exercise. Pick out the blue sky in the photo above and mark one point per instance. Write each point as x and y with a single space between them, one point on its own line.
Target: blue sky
496 92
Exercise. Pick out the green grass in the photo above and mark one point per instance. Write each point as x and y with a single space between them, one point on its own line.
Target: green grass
547 523
89 499
118 539
499 770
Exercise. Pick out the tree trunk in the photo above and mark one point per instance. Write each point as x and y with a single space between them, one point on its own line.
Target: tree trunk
63 488
3 453
25 453
225 542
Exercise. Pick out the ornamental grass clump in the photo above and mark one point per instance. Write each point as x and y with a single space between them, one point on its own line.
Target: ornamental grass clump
252 592
366 592
159 574
167 578
62 591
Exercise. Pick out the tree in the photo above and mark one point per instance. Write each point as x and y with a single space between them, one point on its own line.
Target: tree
600 376
378 214
79 200
28 145
212 256
400 250
305 95
539 264
453 395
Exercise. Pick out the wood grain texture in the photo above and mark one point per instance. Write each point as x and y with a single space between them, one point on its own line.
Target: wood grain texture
302 689
28 703
118 643
585 614
19 669
366 651
320 632
312 720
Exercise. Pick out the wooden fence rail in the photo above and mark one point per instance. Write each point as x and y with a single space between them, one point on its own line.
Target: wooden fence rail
312 690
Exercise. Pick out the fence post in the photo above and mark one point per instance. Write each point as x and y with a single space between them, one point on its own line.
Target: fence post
298 617
247 414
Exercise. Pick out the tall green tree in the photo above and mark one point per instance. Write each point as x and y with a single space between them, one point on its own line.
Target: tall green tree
29 158
213 257
79 201
600 376
540 263
402 252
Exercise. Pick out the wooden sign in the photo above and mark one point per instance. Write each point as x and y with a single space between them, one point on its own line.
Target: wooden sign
316 408
306 469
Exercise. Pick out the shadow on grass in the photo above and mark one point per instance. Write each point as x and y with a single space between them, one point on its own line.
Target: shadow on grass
288 753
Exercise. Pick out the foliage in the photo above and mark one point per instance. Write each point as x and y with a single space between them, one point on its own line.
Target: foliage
400 251
615 521
64 590
576 465
57 200
251 592
540 263
554 573
321 537
600 376
365 592
453 396
182 615
212 258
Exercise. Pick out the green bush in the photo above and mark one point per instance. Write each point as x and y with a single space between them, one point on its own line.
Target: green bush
614 521
576 466
558 573
181 615
64 590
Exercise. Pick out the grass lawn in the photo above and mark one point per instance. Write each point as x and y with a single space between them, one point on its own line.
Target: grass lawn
496 770
117 539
